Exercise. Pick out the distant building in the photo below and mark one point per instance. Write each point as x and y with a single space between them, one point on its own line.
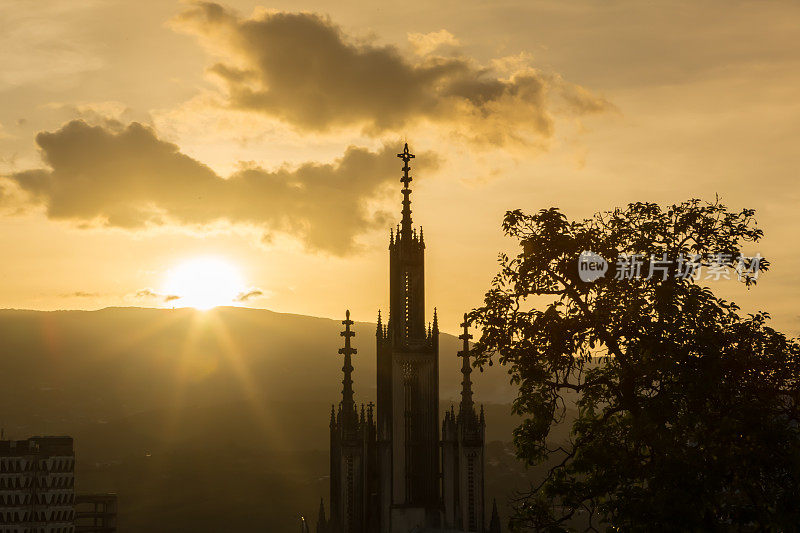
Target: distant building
37 485
96 513
390 471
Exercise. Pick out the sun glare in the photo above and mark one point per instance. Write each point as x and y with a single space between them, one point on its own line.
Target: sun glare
203 283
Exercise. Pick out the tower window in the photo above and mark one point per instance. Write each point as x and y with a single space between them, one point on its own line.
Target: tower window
473 522
407 302
351 496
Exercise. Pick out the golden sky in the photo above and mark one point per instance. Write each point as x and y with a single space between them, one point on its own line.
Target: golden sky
137 136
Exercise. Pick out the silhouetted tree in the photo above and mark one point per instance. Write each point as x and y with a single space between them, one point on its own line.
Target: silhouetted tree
687 412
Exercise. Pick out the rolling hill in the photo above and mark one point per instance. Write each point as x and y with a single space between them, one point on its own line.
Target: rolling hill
207 421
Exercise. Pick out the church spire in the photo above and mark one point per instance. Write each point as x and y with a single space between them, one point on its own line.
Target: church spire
494 523
321 521
466 369
406 156
348 406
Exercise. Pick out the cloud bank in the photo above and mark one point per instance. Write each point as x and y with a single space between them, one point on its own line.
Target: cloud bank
127 177
304 70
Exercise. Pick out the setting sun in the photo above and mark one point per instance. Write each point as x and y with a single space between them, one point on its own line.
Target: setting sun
203 283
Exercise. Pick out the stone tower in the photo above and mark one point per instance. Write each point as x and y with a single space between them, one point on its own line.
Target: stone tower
393 474
353 468
462 454
408 385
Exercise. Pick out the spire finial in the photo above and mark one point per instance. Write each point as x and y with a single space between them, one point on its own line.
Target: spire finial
406 156
348 406
435 321
466 368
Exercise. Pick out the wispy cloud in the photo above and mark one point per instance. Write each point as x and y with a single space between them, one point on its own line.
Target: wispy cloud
249 295
150 294
81 294
147 293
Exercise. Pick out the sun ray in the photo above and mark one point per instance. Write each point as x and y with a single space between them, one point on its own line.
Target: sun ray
258 402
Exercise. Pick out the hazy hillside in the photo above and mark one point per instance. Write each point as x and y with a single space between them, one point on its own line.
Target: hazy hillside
67 368
206 421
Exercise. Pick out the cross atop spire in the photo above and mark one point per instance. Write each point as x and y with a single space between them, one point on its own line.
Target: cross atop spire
347 351
406 156
466 368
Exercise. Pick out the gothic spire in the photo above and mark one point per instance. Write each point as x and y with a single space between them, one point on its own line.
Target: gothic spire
466 369
406 156
321 522
435 321
379 329
348 407
494 523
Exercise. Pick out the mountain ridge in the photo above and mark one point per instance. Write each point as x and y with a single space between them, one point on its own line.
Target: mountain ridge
75 366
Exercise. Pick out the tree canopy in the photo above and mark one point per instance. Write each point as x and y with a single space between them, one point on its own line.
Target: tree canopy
687 411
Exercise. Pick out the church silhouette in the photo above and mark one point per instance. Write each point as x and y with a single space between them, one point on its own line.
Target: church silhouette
390 472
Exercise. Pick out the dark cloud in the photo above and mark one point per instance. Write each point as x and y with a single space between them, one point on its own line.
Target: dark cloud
302 69
249 295
129 178
171 298
82 294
